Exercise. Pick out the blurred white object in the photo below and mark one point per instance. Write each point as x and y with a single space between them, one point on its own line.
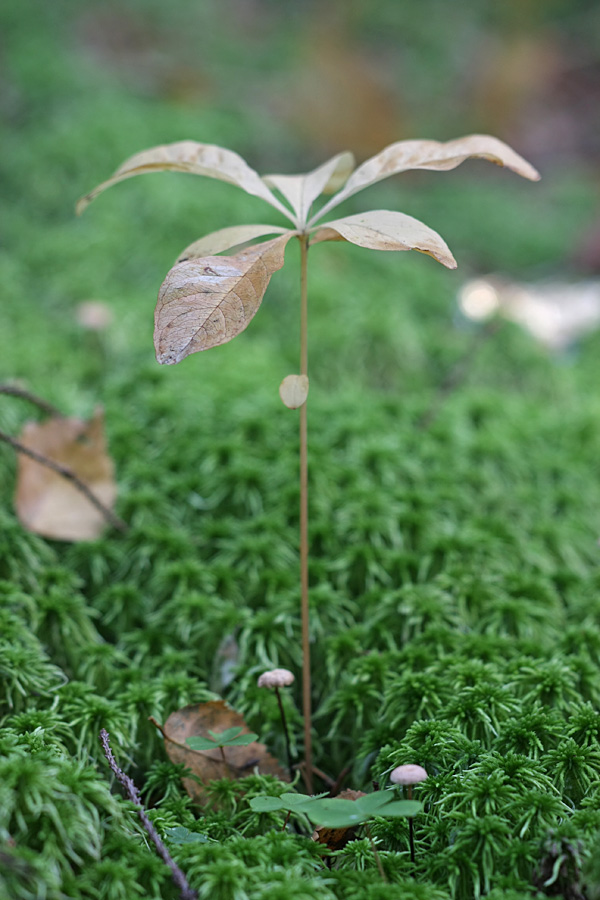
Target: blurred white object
94 315
555 313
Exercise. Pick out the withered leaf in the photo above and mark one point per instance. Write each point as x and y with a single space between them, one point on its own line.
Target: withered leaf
225 239
383 229
196 721
47 503
195 159
293 390
302 190
434 155
206 302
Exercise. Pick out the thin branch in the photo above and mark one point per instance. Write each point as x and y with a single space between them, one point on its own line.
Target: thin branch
185 891
13 391
67 473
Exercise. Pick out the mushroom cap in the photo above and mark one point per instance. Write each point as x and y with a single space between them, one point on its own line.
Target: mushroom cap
409 774
276 678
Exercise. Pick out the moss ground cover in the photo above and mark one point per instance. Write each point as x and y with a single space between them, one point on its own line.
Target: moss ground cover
454 579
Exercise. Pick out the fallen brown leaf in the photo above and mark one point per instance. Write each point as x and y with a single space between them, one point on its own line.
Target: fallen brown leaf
196 721
46 502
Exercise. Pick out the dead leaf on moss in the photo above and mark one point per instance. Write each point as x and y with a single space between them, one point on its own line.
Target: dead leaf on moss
196 721
46 502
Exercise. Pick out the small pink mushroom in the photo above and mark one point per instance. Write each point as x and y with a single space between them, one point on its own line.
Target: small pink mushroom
409 774
276 678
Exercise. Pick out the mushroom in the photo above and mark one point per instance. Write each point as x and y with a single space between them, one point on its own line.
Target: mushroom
276 678
408 775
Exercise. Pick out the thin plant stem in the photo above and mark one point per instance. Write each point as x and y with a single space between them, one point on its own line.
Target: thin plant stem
12 390
375 853
285 731
69 475
306 686
185 891
226 764
287 819
411 835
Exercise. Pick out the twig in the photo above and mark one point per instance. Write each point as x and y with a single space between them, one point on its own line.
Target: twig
67 473
185 891
13 391
457 373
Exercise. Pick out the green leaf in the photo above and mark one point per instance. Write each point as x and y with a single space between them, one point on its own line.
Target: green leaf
181 835
297 802
374 801
242 741
266 804
223 737
400 808
334 813
201 743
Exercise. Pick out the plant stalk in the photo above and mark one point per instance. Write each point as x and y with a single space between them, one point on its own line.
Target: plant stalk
306 687
285 732
411 833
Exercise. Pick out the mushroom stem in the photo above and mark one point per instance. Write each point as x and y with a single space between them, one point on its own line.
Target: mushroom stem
411 836
285 732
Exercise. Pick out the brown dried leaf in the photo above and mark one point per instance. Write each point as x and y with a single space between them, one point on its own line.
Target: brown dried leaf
206 302
207 765
302 190
383 229
225 239
47 503
337 838
293 390
433 155
196 159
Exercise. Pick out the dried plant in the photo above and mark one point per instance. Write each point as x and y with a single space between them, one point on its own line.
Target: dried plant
207 298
